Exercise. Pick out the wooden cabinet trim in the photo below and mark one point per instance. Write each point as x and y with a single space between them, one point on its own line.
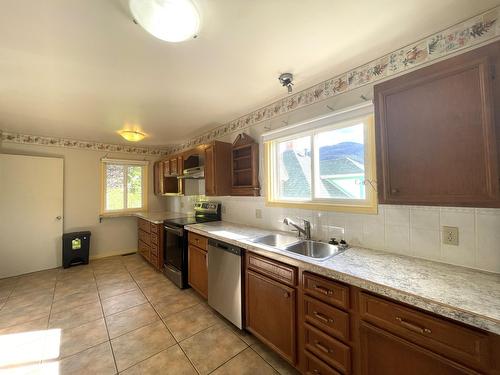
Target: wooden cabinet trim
198 241
326 290
198 270
327 318
315 366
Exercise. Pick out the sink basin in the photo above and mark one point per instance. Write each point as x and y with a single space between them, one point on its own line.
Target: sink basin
276 240
314 249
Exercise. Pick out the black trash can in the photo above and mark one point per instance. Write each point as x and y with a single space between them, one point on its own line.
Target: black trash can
76 247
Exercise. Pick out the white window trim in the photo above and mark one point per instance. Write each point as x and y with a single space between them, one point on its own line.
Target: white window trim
145 179
332 121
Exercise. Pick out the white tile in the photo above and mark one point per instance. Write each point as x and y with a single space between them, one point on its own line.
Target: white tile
487 223
464 253
425 243
488 253
395 215
463 218
424 218
397 239
374 236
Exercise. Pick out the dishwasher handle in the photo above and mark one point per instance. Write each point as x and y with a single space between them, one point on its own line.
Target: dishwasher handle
221 246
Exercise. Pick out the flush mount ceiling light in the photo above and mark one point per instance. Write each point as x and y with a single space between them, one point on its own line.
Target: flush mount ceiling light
132 135
169 20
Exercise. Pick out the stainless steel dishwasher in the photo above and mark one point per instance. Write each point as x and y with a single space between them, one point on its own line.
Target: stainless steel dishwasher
224 281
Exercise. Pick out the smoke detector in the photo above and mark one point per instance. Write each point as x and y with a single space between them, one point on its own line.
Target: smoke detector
286 81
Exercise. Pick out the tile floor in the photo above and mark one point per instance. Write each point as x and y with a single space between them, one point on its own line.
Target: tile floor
117 315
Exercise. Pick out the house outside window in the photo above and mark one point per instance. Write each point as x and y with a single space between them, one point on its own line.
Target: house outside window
123 186
325 163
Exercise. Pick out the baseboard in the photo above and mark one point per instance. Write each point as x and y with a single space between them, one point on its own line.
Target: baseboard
112 254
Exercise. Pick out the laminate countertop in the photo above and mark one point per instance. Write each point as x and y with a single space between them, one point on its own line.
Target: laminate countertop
462 294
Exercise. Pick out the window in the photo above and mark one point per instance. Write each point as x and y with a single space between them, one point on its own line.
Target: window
124 186
325 163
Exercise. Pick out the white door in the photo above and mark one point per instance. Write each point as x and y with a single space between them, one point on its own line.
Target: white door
31 209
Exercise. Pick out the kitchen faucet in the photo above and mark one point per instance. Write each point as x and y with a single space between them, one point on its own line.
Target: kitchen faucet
306 231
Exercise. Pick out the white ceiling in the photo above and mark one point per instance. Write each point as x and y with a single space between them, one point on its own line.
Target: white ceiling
82 69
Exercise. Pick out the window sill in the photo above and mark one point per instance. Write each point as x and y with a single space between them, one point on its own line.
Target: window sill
367 209
111 215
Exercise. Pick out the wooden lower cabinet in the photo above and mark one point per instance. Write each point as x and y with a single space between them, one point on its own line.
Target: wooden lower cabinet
198 270
383 353
271 313
150 242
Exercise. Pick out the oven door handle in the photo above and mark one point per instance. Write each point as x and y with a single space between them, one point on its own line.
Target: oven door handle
177 231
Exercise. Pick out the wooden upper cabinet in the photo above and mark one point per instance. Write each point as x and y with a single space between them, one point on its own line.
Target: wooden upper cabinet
437 138
157 176
217 169
166 168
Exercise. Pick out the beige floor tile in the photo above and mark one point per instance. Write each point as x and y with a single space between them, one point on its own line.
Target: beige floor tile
64 289
113 279
122 302
110 290
130 319
140 344
246 363
242 334
28 314
21 301
77 339
210 348
75 300
190 321
96 360
42 288
33 325
170 361
278 363
177 302
159 292
76 316
6 290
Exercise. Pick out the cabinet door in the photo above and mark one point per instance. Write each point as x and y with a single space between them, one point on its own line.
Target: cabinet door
210 170
166 168
270 310
385 354
198 270
173 166
436 141
180 165
157 177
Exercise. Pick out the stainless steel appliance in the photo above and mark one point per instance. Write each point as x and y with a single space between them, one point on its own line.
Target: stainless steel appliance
224 280
175 240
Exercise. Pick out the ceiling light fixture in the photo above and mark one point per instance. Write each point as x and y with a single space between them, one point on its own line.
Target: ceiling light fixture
132 135
286 81
169 20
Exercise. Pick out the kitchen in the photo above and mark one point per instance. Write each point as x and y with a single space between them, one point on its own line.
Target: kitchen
315 223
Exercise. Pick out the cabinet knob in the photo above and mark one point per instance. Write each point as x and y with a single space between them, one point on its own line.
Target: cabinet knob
286 294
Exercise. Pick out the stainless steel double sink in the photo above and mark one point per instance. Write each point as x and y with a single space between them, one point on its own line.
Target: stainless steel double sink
308 248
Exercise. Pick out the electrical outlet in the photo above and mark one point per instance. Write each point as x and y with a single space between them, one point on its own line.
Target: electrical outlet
258 213
450 236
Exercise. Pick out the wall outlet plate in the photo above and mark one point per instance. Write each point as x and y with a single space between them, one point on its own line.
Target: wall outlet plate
258 213
450 235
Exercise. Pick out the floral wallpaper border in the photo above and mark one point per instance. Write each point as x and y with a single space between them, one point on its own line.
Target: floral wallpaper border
473 31
85 145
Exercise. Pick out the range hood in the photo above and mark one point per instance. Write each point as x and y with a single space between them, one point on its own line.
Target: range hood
195 173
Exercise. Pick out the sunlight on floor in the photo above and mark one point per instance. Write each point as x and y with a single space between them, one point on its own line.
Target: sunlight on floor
21 353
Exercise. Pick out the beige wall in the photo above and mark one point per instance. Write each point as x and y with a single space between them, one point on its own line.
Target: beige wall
82 197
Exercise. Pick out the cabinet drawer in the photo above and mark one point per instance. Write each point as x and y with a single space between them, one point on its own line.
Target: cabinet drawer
326 290
155 228
154 239
440 335
153 259
144 225
155 250
315 366
144 237
275 270
144 249
328 349
198 241
327 318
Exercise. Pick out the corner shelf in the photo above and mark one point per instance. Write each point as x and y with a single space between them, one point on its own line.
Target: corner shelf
245 167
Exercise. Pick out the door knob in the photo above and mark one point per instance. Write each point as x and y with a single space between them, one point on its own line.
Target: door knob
58 217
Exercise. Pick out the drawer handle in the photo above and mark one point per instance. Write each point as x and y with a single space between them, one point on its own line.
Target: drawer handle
325 291
323 317
412 327
321 347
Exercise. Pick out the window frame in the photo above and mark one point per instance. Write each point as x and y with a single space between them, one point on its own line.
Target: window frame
145 185
336 120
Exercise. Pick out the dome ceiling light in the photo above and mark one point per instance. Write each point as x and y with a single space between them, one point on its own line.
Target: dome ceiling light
169 20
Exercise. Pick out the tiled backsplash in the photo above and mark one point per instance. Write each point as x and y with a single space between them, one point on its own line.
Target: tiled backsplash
409 230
